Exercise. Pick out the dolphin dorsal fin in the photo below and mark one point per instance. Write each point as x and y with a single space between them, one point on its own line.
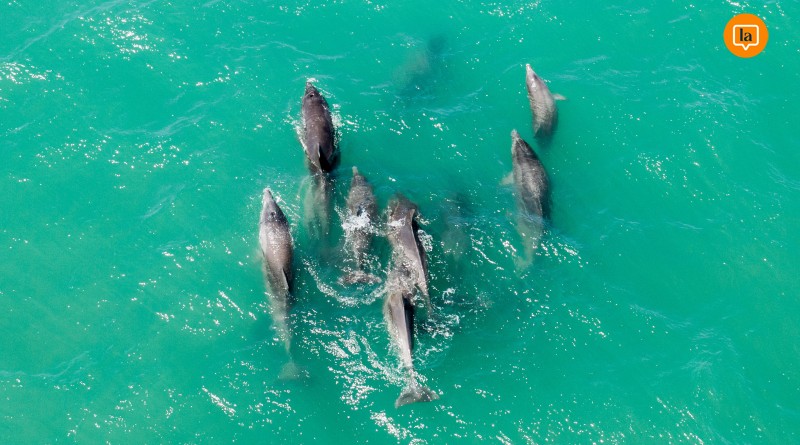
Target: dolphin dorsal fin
408 312
317 154
285 277
410 216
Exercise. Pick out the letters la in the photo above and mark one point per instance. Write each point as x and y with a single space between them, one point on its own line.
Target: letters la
745 36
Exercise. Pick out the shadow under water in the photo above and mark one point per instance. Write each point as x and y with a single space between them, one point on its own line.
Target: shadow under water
419 75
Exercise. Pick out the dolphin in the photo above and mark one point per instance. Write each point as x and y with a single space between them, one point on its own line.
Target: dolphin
533 190
398 310
275 241
406 246
543 104
276 245
362 213
318 132
319 143
455 214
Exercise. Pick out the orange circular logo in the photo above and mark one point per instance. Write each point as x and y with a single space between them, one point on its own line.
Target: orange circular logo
746 35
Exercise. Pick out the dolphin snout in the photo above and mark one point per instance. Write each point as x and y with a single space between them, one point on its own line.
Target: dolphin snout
267 196
515 137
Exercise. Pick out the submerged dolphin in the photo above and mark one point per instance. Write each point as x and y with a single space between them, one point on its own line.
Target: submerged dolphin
398 310
454 214
543 104
422 70
318 132
362 212
277 250
407 248
533 189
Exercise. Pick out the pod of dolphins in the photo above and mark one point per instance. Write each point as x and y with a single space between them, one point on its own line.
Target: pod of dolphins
406 281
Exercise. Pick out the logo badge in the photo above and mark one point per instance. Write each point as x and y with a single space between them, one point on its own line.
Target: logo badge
746 35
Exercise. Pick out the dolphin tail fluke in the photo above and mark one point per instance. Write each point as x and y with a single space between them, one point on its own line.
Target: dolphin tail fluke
292 371
359 277
415 393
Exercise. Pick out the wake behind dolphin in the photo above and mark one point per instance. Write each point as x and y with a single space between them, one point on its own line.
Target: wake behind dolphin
317 205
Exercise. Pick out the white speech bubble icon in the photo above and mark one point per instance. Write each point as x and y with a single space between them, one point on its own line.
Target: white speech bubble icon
743 36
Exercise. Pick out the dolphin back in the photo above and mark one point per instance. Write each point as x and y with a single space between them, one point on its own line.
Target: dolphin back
400 315
530 177
318 134
404 237
276 244
543 104
399 312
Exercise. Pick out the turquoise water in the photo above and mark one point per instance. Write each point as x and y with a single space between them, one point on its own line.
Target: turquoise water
137 137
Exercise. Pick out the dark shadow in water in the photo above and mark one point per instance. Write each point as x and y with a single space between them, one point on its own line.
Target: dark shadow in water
455 214
421 75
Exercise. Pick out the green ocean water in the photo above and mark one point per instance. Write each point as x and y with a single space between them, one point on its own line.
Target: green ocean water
137 137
